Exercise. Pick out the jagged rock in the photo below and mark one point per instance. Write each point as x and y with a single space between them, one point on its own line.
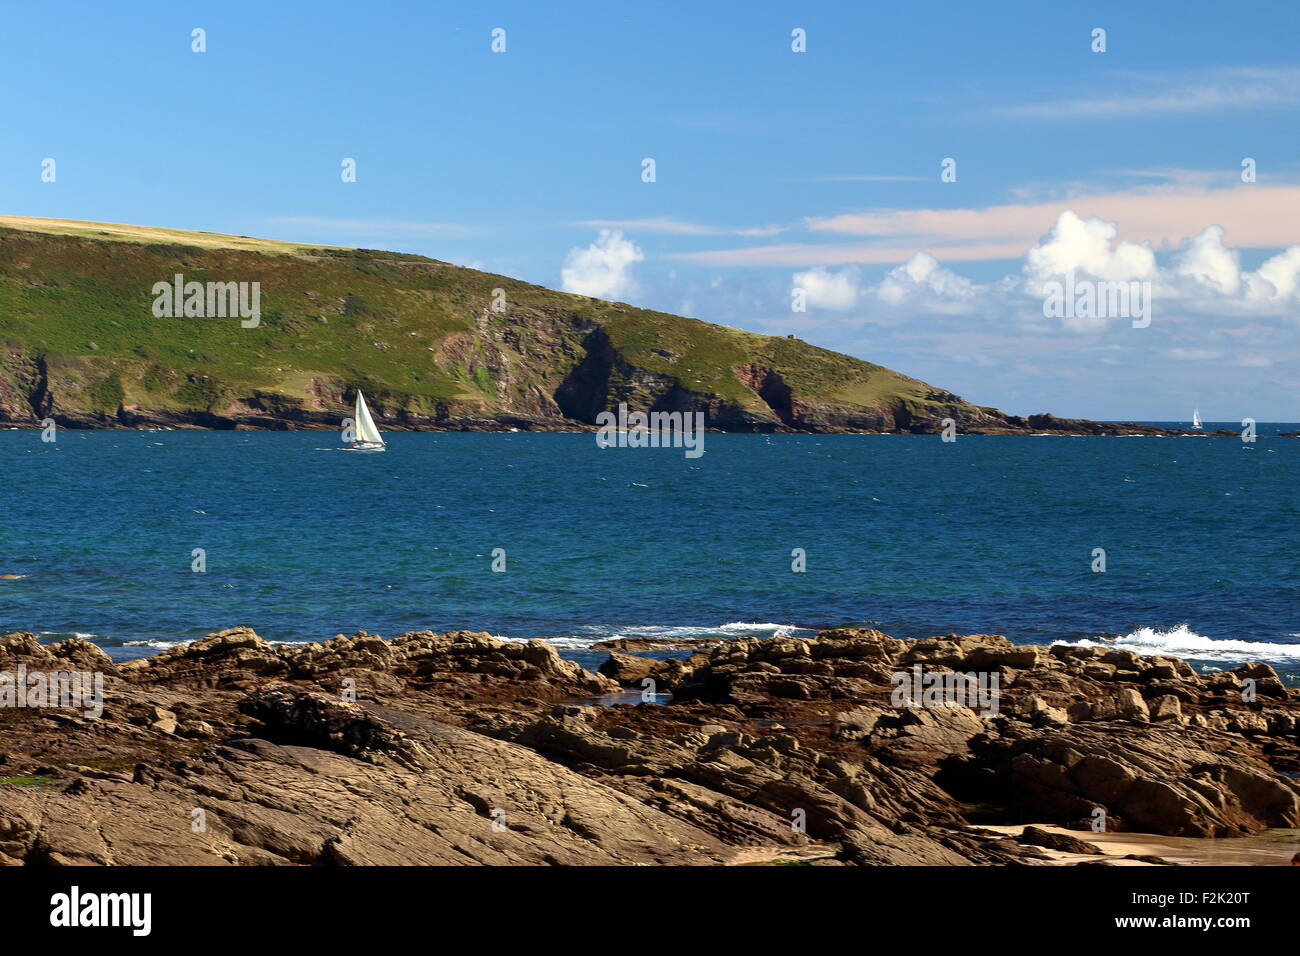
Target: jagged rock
859 722
164 725
196 728
1266 681
920 736
1037 710
1036 836
1167 707
1131 705
72 654
359 750
631 670
237 658
1174 781
428 794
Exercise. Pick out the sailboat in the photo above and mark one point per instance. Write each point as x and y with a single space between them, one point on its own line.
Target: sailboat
1196 418
367 435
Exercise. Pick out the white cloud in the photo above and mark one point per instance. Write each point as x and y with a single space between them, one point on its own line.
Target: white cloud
1087 245
603 269
1189 292
923 276
1207 275
1282 272
1206 260
824 289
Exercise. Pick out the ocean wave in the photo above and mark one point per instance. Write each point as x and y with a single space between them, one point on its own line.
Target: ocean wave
563 643
1182 641
732 629
595 633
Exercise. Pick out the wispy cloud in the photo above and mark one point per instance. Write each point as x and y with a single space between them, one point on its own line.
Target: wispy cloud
1253 216
805 254
678 227
1151 94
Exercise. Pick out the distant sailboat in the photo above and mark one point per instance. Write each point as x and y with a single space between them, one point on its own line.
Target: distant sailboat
1196 418
367 435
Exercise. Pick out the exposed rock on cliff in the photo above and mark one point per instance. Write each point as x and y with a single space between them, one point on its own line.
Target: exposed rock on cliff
434 346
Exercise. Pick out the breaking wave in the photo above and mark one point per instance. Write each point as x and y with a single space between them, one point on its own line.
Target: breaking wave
1182 641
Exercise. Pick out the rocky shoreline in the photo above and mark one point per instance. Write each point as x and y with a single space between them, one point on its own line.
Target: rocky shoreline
298 420
461 748
989 423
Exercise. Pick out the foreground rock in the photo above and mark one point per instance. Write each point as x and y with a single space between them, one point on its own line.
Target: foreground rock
461 748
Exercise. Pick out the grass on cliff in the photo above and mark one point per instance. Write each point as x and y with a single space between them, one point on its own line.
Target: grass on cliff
121 232
33 782
407 329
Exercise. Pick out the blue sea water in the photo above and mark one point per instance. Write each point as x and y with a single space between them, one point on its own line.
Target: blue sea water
303 540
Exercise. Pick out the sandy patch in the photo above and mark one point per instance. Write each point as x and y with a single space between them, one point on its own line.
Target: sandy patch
1270 848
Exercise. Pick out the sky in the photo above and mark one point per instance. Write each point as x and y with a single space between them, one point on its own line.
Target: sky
783 179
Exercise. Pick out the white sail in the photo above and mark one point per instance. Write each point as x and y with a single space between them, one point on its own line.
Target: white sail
365 425
1196 418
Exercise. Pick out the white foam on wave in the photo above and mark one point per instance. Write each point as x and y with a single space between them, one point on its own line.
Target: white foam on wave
595 634
570 643
84 635
731 628
598 632
1182 641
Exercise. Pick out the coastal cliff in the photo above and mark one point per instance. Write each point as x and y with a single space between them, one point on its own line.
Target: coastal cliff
434 346
461 748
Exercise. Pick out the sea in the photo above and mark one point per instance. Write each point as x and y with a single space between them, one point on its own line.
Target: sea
138 540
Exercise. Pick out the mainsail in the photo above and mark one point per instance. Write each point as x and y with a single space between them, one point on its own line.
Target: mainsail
365 425
1196 418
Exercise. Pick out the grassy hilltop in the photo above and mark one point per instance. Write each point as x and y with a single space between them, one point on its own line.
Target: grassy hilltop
79 343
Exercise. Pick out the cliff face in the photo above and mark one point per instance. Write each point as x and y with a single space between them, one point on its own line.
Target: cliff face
433 345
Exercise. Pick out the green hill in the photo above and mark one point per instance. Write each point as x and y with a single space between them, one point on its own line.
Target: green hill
80 343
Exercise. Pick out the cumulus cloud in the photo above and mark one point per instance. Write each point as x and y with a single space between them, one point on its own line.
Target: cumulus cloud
823 289
923 276
604 268
1166 318
1112 284
1282 273
1088 245
1206 260
1206 276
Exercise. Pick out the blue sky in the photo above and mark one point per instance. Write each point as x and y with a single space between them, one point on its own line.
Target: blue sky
775 170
